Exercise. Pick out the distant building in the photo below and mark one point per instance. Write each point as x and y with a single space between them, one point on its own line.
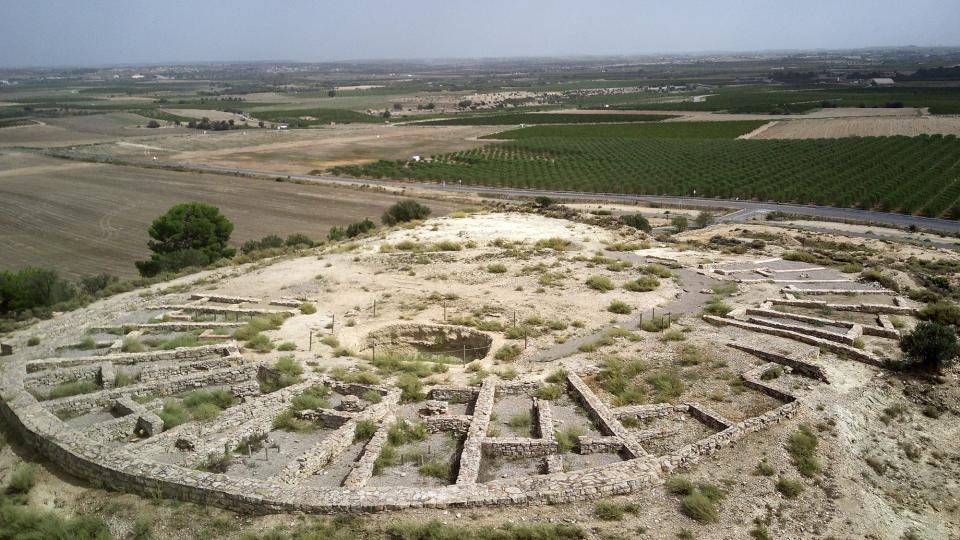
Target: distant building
880 81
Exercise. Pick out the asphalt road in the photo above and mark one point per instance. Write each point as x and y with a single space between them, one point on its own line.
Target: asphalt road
744 209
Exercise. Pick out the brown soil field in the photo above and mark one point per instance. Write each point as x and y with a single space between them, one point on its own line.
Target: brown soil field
706 116
861 127
86 218
302 150
70 130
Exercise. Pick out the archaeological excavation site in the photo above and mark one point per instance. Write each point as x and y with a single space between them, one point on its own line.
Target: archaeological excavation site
493 359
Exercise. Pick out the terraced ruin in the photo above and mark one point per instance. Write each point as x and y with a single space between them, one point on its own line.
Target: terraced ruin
407 370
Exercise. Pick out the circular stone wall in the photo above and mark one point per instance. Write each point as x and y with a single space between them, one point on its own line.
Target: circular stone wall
457 341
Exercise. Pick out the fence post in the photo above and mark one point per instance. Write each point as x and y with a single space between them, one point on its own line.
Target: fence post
373 353
374 307
444 311
464 353
311 341
333 321
669 320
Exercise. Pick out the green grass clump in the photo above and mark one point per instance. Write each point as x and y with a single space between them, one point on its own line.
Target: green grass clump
674 334
790 489
716 306
667 384
364 430
411 389
187 340
617 377
642 284
22 480
699 507
403 432
619 307
131 345
33 341
614 511
764 469
314 397
86 344
679 485
437 469
260 343
371 396
771 373
287 371
567 438
72 388
802 448
555 243
508 353
308 308
559 376
435 530
287 421
123 379
199 405
550 392
173 414
497 268
259 324
600 283
287 346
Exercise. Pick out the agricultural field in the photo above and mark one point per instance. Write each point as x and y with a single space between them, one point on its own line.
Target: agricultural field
671 130
85 218
542 118
788 100
911 175
861 127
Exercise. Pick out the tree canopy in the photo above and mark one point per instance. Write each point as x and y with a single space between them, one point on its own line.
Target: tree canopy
189 234
407 210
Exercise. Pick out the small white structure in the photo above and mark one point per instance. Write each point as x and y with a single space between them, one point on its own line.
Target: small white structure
282 126
415 158
881 81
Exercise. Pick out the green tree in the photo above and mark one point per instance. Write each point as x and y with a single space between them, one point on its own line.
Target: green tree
543 201
637 221
331 93
679 223
153 124
402 211
189 234
931 345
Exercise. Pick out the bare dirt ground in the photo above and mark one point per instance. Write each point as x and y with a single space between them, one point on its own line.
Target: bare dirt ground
206 113
883 476
860 127
302 150
76 130
87 218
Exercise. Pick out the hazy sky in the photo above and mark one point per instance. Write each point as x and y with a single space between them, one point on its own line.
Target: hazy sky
92 32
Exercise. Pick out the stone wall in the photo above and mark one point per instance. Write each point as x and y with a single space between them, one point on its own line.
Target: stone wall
544 415
588 444
655 410
825 334
459 424
800 366
184 354
166 371
472 447
517 447
605 420
861 308
453 394
363 469
54 377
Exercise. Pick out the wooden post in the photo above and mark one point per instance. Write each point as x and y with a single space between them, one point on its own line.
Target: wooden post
444 311
333 321
374 307
524 338
311 341
464 353
669 320
640 324
373 354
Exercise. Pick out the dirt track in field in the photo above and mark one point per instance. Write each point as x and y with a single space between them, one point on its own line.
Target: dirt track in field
86 218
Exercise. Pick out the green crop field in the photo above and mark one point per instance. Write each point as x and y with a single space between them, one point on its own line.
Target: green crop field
509 119
912 175
789 100
670 130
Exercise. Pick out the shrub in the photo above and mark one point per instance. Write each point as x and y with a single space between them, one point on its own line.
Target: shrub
673 335
372 396
802 448
308 308
679 485
187 340
667 384
764 469
33 341
543 201
508 353
771 373
496 268
555 243
704 219
287 346
287 371
404 211
642 284
716 306
679 223
800 256
943 313
637 221
314 397
173 414
619 307
600 283
550 392
360 227
790 489
87 343
436 468
930 345
611 511
559 376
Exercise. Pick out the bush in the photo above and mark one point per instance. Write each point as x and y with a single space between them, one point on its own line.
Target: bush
287 346
260 343
33 341
612 511
508 353
930 345
673 335
637 221
496 268
288 422
403 211
716 306
26 522
555 243
189 234
942 313
436 469
704 219
297 240
550 392
679 485
307 308
314 397
286 372
360 227
543 201
667 384
802 448
567 438
679 223
642 284
600 283
32 287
